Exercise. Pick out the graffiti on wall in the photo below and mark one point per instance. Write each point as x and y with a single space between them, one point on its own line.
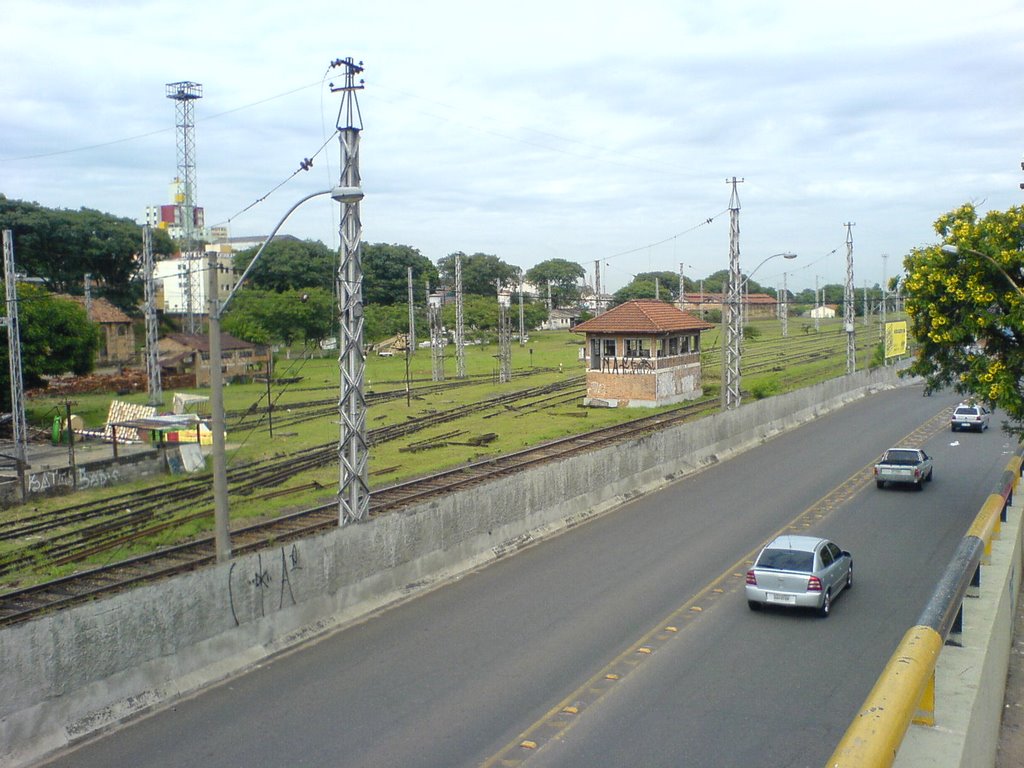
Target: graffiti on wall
68 477
267 583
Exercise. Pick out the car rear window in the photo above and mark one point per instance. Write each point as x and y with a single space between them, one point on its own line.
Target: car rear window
966 411
786 560
902 457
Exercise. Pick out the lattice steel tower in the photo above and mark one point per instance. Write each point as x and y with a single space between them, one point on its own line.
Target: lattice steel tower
733 321
156 395
184 94
353 451
437 340
460 323
849 298
504 336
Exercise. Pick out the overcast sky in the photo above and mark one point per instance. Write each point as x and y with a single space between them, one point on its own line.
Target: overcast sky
536 130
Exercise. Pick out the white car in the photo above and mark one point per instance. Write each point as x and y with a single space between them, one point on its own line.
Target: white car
969 416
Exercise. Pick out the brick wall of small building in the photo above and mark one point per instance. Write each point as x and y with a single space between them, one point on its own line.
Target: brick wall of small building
667 385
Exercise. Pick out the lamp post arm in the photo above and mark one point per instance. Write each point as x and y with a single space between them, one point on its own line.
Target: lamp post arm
954 250
248 269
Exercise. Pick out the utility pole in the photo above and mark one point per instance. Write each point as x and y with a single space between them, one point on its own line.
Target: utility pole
848 299
436 338
597 286
817 305
156 394
504 336
19 426
885 290
682 287
410 342
460 327
353 450
784 307
87 290
522 318
184 94
733 328
221 510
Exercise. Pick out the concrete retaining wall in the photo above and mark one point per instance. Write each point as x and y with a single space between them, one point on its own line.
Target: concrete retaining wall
970 681
86 668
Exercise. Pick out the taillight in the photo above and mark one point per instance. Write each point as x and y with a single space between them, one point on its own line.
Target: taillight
814 584
751 578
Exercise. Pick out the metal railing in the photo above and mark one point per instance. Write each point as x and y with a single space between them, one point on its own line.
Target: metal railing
905 691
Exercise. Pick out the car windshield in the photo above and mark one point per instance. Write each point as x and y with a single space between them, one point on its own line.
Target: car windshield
901 457
786 560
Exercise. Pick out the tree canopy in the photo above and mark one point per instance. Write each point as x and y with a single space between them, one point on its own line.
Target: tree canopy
481 273
386 273
62 246
265 317
288 264
647 285
56 338
564 278
966 307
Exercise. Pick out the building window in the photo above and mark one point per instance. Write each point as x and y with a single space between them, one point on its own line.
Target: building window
609 347
638 347
673 345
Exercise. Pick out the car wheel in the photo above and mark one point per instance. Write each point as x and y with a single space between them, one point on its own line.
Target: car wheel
929 478
754 605
826 605
879 483
919 485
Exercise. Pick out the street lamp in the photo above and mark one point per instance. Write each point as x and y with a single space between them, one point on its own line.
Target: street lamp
222 530
954 250
731 358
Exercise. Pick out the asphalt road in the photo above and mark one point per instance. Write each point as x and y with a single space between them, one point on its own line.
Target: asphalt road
650 595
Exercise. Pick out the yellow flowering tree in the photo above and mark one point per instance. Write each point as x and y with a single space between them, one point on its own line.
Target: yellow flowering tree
966 307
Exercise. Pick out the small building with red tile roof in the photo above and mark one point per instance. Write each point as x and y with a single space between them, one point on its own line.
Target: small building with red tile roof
117 342
642 353
182 354
760 305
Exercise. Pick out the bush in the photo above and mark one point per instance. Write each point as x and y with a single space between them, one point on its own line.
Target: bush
766 387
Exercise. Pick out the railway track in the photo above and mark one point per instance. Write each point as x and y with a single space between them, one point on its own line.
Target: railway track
23 604
74 533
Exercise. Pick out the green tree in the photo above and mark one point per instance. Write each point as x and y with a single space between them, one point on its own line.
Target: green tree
386 274
647 285
287 264
966 307
265 317
62 246
382 321
481 273
56 338
563 276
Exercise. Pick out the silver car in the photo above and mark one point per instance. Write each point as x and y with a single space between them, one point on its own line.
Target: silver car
799 572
